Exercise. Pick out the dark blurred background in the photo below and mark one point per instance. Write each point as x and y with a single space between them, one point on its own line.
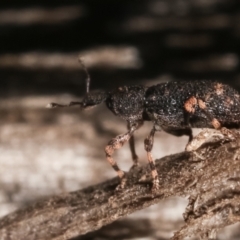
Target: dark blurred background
44 151
124 42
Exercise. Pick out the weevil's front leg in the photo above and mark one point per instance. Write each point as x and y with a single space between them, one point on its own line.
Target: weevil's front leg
117 143
148 144
132 145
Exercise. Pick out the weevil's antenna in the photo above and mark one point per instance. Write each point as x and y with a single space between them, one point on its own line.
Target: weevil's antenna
56 105
87 73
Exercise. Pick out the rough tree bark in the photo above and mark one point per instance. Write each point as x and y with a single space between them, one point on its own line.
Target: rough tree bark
210 176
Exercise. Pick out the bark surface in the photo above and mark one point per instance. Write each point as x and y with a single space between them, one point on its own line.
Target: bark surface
209 176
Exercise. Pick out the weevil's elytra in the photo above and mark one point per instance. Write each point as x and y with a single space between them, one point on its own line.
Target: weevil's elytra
200 100
174 107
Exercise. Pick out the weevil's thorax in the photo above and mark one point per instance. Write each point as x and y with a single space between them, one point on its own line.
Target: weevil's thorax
127 102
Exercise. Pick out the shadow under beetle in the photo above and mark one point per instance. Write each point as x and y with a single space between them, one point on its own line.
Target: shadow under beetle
175 107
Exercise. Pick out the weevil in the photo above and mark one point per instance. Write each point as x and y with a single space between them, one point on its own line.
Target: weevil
175 107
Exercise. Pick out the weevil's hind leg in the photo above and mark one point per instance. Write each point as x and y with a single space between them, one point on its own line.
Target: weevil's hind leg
117 143
180 132
187 131
132 145
148 144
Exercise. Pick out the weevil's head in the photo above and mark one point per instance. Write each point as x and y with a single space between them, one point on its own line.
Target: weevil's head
127 102
93 98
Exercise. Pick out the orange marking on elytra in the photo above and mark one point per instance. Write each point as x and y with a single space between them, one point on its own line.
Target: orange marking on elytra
228 102
216 124
201 104
219 88
190 104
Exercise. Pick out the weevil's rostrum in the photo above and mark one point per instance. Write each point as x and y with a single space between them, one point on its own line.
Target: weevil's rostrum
175 107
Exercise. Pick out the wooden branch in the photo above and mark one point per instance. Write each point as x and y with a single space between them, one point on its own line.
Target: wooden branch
210 177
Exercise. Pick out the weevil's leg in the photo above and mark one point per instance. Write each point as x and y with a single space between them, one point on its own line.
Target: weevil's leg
117 143
186 131
148 144
180 132
132 145
189 108
132 148
186 116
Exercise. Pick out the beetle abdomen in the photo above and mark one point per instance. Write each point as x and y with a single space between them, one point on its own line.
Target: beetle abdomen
168 103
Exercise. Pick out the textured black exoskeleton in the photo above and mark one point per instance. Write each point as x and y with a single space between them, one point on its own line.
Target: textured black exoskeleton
174 107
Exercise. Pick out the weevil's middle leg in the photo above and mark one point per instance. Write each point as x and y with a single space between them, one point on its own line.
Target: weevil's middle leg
117 143
148 144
